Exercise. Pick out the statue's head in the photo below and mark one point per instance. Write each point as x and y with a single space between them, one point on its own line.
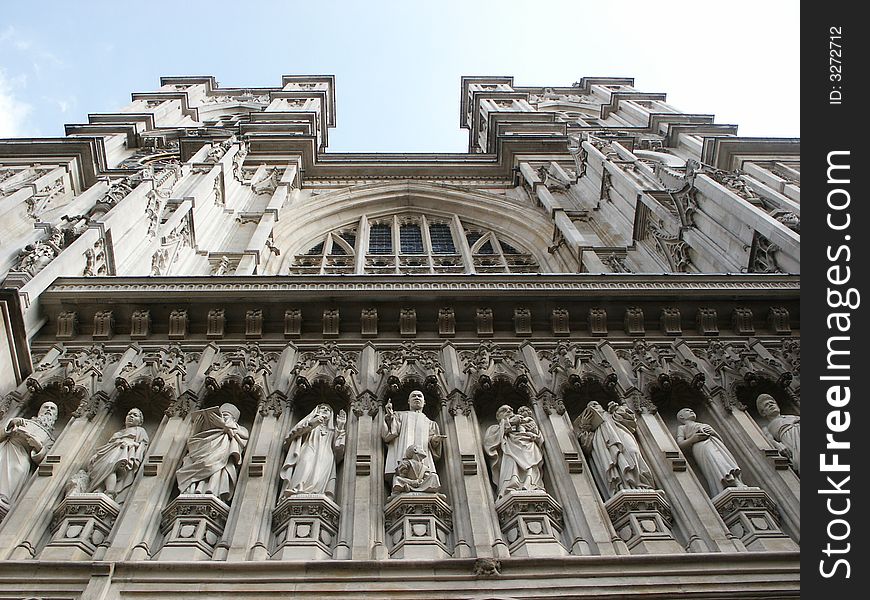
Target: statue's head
767 406
416 400
413 452
324 409
504 412
230 413
595 406
525 411
47 414
686 414
134 418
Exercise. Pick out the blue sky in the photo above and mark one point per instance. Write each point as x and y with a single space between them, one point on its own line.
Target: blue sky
398 64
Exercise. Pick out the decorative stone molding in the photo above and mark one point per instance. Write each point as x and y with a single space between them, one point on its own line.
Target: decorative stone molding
671 321
407 322
365 404
778 318
741 321
642 519
273 405
550 402
80 524
707 320
330 322
305 527
192 525
67 325
419 526
597 321
215 323
483 320
633 321
178 324
292 323
254 323
560 321
446 322
369 322
532 523
458 403
487 567
751 515
103 325
140 324
522 321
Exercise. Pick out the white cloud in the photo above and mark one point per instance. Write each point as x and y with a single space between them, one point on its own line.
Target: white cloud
13 111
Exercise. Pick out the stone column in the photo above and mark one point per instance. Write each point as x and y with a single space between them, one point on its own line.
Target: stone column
258 482
364 499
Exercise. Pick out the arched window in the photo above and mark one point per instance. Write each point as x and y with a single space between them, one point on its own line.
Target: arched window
413 243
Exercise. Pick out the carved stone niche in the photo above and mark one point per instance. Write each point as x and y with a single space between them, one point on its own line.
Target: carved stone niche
305 527
79 525
751 515
642 519
191 525
532 523
418 526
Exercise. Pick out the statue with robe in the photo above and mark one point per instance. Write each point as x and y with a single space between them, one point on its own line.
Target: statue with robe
715 461
513 449
23 445
412 474
607 437
410 428
214 453
314 446
114 465
784 430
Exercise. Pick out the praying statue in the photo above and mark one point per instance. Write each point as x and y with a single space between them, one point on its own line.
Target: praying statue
607 437
114 465
784 430
314 446
214 453
513 449
23 445
713 458
406 428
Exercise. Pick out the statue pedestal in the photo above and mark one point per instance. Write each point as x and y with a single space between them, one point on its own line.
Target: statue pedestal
80 523
642 519
751 515
305 527
418 525
191 526
532 523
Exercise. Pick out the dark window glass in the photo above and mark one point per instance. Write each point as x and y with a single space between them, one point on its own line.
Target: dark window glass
411 239
380 239
442 240
318 249
508 249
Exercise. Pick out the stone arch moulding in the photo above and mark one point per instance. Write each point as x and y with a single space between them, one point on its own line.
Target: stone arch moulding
313 218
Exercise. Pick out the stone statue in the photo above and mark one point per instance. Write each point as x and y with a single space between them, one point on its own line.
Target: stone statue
713 458
23 445
412 474
410 428
607 436
314 446
513 449
214 453
114 465
784 430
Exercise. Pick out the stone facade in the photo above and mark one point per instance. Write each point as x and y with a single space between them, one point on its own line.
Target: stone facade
595 263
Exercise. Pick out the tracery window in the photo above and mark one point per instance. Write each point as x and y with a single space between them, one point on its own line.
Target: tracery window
413 243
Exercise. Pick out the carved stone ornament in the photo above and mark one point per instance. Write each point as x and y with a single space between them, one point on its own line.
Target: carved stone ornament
707 320
483 319
633 321
560 321
598 321
305 527
418 526
67 325
522 321
446 322
671 321
408 322
292 322
103 322
254 323
140 324
178 324
330 321
369 322
458 403
365 404
741 321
